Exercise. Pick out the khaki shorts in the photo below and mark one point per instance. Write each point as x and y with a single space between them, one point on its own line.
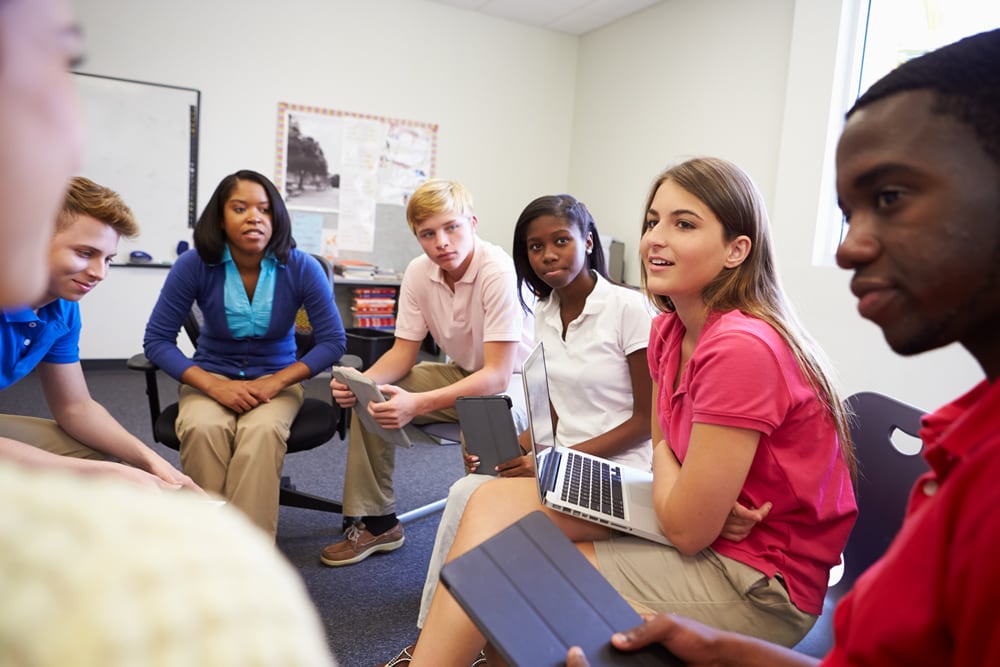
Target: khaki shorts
46 434
708 587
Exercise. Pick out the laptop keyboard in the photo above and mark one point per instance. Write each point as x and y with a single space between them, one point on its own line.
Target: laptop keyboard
593 484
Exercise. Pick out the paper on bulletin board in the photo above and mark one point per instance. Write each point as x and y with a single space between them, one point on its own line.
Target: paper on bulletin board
356 226
319 148
345 164
307 229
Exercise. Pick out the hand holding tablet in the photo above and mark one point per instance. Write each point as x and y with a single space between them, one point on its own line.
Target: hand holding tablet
367 392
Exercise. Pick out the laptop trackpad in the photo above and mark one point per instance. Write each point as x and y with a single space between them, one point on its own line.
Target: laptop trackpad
641 495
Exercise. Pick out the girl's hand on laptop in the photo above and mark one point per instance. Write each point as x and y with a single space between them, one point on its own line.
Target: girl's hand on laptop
471 463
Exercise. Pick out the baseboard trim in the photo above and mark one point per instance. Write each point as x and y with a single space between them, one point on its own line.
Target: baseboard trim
103 364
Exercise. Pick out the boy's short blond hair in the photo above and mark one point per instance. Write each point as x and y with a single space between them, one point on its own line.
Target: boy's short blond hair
437 196
85 197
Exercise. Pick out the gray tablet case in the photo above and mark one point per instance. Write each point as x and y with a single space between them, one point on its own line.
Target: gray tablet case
488 429
367 392
534 595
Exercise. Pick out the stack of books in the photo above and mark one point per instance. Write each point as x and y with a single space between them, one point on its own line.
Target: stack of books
354 269
375 308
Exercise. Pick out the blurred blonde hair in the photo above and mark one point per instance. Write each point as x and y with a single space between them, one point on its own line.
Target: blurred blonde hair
96 572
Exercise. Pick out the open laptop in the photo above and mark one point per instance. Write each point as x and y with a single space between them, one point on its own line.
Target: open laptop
584 485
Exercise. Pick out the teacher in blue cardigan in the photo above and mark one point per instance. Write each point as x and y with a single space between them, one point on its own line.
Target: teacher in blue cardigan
241 391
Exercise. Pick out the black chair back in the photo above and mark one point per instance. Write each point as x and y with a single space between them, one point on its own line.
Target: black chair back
885 477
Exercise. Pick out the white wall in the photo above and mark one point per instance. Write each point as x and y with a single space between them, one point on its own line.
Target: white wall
681 79
501 92
524 111
751 82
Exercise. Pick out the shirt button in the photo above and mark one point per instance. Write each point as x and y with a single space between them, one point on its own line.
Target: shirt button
31 325
930 487
27 342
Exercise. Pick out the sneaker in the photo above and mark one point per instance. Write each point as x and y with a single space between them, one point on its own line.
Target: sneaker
358 544
406 655
402 658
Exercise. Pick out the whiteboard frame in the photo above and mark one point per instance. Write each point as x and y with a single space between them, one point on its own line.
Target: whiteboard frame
143 143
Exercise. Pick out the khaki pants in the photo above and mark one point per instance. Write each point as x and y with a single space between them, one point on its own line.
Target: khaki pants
238 456
45 434
707 587
371 461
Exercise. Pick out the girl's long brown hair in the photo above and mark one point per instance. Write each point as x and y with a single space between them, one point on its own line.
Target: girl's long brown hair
753 286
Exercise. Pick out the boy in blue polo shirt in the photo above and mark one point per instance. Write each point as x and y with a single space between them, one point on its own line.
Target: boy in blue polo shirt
45 336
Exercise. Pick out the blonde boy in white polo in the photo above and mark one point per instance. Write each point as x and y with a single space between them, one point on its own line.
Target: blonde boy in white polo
463 291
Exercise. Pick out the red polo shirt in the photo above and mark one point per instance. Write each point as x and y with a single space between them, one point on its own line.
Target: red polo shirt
934 598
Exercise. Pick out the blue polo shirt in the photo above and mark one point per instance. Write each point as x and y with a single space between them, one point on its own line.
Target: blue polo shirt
27 339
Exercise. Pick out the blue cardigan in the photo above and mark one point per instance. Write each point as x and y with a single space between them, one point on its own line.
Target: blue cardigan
301 281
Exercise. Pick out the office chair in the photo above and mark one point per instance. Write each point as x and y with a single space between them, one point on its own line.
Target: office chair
885 477
317 423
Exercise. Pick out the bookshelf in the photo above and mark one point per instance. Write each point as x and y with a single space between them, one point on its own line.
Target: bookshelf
374 307
345 297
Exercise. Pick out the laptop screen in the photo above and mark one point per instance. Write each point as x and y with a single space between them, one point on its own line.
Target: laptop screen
536 393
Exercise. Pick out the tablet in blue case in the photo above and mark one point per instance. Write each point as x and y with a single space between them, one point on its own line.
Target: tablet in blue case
534 595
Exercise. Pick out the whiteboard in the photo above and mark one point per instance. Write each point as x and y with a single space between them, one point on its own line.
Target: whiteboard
142 142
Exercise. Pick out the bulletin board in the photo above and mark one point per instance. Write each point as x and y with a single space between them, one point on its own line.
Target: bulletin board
346 178
142 142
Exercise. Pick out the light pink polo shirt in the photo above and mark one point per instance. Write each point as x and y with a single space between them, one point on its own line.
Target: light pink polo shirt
483 308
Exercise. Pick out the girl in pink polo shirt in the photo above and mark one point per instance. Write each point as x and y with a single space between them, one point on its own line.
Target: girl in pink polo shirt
746 413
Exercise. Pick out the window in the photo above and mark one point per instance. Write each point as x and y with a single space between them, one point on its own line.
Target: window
890 32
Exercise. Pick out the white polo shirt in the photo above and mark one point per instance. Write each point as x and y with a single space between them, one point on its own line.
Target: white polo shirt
589 381
483 308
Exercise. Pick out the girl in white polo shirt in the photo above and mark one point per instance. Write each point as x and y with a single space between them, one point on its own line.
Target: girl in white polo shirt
591 328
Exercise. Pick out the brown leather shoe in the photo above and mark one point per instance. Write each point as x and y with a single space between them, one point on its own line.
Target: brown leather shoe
358 544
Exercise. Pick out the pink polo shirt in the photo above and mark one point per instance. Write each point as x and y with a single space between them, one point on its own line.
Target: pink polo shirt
742 374
483 308
934 597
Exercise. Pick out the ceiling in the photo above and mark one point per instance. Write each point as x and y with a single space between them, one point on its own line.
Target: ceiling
571 16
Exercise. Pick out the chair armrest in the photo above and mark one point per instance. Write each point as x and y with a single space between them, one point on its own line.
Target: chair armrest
139 362
344 414
351 360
